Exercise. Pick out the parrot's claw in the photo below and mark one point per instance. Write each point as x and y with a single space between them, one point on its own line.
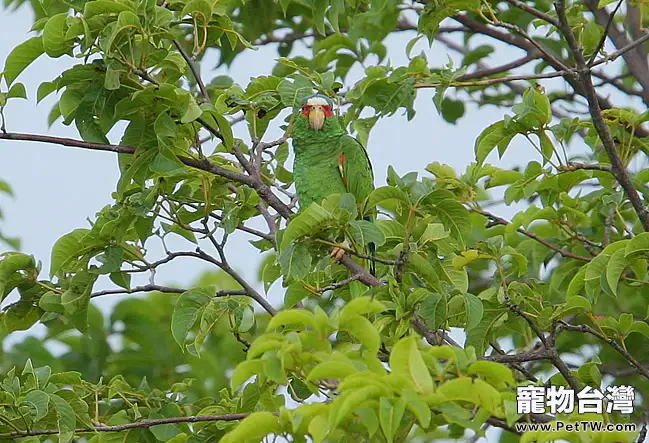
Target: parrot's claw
337 252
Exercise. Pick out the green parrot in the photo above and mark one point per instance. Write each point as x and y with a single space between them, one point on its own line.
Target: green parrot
328 160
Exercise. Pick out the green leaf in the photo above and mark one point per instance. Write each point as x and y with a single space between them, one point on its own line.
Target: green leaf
614 269
295 293
65 249
192 113
433 310
54 42
361 306
365 232
418 407
406 361
253 428
547 147
226 130
186 312
478 336
331 369
452 110
122 279
245 370
9 265
76 298
494 135
473 390
22 56
455 217
494 373
308 221
477 54
292 316
345 404
575 305
295 261
435 12
363 330
380 195
319 8
100 7
213 312
66 420
38 402
293 93
390 416
200 10
17 91
420 266
45 89
577 282
180 438
474 310
639 327
637 245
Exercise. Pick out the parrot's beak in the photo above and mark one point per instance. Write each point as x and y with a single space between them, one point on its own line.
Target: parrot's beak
317 118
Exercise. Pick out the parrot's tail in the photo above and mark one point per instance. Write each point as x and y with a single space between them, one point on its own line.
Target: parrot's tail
372 247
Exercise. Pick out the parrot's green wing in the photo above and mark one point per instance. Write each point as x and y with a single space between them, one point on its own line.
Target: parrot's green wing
355 168
358 177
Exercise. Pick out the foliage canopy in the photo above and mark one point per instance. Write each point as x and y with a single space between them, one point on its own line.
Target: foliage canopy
556 295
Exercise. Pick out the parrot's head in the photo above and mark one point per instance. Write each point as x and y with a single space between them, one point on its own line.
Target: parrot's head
317 108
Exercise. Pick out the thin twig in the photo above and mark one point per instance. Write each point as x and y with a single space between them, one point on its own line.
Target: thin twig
499 69
341 283
573 166
194 69
584 77
640 369
532 235
614 55
137 425
494 81
535 12
607 29
144 288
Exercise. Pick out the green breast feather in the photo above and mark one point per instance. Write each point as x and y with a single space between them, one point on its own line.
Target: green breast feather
328 162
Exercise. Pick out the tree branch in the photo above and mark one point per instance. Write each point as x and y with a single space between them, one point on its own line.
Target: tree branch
522 43
573 166
494 81
533 236
584 77
607 29
194 69
535 12
145 288
203 164
635 62
523 357
499 69
341 283
137 425
640 369
620 52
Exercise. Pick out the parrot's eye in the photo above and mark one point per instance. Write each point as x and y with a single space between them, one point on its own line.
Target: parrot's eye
306 109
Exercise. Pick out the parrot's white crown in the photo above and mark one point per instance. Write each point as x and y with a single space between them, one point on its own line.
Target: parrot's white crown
315 101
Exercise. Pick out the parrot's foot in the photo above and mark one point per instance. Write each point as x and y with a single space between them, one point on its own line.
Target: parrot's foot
338 251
